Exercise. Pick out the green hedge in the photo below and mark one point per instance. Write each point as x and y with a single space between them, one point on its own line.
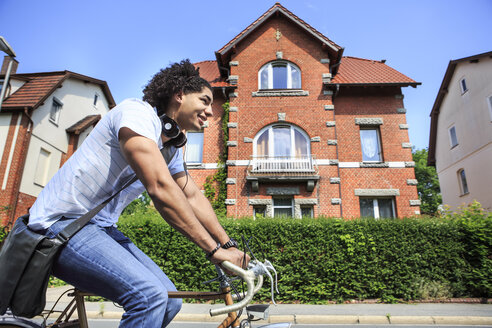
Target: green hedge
3 233
320 260
331 259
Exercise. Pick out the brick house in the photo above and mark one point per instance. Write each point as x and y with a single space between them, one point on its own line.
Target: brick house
311 132
44 117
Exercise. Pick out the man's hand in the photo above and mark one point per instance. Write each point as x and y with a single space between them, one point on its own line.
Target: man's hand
233 255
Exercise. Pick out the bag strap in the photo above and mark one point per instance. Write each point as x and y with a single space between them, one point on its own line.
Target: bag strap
78 224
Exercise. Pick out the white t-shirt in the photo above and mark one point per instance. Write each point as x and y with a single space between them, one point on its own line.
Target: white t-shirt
98 169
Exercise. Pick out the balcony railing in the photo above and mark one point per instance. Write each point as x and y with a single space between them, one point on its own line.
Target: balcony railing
282 165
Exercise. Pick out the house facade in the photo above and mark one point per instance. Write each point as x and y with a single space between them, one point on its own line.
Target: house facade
43 119
310 132
460 144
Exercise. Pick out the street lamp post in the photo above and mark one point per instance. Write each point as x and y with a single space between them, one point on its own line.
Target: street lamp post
5 47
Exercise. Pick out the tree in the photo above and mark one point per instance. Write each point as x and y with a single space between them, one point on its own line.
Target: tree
428 183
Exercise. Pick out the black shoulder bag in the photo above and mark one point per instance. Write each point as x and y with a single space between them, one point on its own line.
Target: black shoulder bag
27 257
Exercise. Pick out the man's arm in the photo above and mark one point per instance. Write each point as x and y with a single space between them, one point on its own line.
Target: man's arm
204 212
201 207
146 160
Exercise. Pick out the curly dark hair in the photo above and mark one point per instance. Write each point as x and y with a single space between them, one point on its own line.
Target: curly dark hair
178 77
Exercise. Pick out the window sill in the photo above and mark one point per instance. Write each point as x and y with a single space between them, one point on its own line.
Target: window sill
194 166
280 93
53 122
454 146
465 194
374 164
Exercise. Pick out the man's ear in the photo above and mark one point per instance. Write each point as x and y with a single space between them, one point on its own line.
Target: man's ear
178 97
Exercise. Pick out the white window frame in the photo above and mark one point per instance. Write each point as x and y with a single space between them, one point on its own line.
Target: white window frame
380 144
42 167
375 205
96 99
451 141
460 182
463 85
310 208
55 111
269 68
201 148
291 206
256 211
271 146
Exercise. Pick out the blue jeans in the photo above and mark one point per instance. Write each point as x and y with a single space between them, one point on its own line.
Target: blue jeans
105 262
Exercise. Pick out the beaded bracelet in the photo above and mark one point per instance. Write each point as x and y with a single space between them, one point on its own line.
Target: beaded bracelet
211 253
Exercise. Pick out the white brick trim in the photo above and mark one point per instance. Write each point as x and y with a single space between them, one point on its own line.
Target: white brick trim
376 192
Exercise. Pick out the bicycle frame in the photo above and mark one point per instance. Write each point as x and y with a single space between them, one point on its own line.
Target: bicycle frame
77 304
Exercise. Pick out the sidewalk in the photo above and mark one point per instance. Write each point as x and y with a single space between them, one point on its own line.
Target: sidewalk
410 314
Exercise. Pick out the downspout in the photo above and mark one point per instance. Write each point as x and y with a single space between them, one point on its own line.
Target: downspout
27 138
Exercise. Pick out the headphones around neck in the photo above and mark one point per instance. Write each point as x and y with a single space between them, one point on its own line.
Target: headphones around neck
171 130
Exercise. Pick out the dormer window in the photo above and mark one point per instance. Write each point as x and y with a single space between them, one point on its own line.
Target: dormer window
279 75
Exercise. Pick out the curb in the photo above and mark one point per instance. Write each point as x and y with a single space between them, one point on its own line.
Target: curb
326 319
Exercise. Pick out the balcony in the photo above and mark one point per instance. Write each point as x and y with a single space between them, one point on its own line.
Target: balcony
282 169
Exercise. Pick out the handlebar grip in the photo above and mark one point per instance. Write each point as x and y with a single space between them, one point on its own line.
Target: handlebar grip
249 277
259 284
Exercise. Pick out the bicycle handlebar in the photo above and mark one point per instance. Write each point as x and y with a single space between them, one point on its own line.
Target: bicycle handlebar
256 269
248 276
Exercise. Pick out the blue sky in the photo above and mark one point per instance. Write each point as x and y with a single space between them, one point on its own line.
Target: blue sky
125 42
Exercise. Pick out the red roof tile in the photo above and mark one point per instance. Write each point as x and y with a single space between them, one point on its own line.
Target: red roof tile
34 91
277 7
83 124
39 86
364 71
352 71
209 70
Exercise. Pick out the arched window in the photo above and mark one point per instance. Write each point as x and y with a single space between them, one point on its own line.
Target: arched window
279 75
281 140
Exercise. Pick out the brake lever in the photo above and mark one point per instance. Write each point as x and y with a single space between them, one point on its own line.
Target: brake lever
265 268
269 266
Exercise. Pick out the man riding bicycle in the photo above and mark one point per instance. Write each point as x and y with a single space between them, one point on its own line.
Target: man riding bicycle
127 142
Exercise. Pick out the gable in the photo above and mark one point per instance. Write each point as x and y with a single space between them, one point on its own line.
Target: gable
441 94
290 22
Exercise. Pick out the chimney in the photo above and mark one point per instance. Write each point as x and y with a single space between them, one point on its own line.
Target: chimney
5 65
